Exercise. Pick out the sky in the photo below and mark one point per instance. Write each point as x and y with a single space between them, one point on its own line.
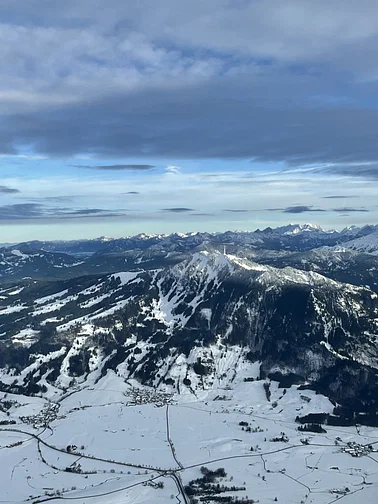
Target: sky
120 117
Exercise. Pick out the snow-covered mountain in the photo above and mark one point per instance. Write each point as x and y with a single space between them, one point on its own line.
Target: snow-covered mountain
295 237
339 263
368 244
233 367
186 327
73 247
69 259
17 262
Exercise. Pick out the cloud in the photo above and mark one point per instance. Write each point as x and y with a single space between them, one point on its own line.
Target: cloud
296 209
172 169
301 209
112 80
53 199
367 170
132 192
294 30
345 196
20 211
235 210
204 121
83 212
349 209
137 167
203 214
8 190
39 212
118 81
178 209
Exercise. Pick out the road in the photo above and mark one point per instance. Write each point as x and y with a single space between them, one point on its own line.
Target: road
175 474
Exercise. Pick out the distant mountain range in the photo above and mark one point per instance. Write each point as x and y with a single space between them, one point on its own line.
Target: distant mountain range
41 260
294 235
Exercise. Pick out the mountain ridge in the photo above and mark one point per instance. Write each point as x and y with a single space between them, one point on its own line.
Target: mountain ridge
168 328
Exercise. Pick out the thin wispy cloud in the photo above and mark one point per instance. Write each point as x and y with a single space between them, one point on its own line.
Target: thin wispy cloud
203 214
178 209
296 209
8 190
35 212
349 209
136 167
235 210
53 199
20 211
172 169
301 209
337 196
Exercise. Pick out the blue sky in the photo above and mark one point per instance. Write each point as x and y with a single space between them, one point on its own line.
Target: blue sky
120 117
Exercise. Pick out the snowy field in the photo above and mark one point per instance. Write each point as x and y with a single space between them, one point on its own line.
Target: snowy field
115 442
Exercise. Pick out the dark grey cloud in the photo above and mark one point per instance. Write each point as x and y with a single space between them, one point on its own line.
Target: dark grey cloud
38 212
203 214
338 196
216 125
349 209
20 211
301 209
178 209
367 171
132 192
235 210
271 81
141 167
296 209
84 211
8 190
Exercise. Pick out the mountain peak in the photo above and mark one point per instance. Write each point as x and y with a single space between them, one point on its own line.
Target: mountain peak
300 228
105 239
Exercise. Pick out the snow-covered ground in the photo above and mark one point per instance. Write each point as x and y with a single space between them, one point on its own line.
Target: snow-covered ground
116 442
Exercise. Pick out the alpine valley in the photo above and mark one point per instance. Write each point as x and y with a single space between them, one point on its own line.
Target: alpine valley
231 367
